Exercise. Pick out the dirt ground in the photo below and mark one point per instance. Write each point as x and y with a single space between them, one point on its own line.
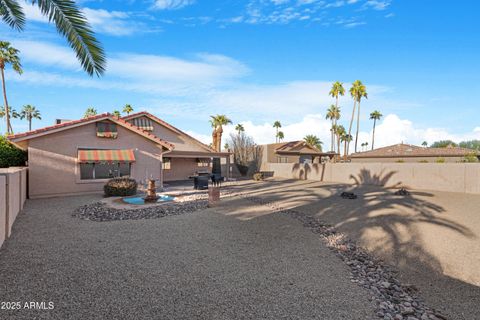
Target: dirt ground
432 238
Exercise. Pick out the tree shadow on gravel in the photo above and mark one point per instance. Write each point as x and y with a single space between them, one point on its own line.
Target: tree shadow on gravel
388 226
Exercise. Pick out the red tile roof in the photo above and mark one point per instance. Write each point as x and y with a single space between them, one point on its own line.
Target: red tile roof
166 124
50 129
406 150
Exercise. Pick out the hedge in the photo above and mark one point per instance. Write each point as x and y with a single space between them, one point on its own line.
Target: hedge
11 156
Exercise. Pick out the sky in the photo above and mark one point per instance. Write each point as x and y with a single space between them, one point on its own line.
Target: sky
258 61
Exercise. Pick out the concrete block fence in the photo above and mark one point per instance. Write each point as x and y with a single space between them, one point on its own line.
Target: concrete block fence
13 193
451 177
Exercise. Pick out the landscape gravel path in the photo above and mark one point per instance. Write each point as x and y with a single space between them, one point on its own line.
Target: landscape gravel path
235 262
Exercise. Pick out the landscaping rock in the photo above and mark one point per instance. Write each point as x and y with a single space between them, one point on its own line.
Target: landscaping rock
348 195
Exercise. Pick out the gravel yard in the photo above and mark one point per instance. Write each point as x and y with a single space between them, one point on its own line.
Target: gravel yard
212 264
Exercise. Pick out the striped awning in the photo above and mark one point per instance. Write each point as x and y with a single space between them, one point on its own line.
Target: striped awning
95 155
143 123
107 130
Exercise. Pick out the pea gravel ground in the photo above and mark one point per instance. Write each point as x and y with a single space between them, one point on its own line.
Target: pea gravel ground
236 261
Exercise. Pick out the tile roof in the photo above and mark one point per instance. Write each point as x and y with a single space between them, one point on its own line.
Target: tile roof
408 150
166 124
103 116
296 147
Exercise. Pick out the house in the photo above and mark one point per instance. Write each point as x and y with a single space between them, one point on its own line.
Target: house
410 153
79 156
292 152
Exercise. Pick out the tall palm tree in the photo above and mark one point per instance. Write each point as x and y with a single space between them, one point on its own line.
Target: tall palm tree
339 132
13 114
218 122
90 112
116 113
375 115
336 91
8 56
362 145
357 91
70 22
277 125
333 114
127 109
313 141
346 139
239 128
280 136
29 112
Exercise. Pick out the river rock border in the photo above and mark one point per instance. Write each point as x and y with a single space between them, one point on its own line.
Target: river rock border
393 300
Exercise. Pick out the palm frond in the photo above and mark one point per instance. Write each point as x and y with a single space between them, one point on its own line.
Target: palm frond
12 13
72 24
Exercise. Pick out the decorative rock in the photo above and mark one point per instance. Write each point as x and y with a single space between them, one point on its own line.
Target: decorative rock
348 195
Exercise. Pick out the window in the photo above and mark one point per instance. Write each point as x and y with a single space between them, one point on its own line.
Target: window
282 159
167 164
104 170
203 162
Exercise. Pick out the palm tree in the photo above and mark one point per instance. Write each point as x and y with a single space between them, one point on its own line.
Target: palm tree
333 113
375 115
277 125
425 144
239 128
90 112
357 91
70 22
127 109
336 91
217 123
8 55
313 141
362 145
339 131
116 113
13 114
346 138
366 145
280 136
29 112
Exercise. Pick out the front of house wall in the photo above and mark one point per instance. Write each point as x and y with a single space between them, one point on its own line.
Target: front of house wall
452 177
182 168
53 166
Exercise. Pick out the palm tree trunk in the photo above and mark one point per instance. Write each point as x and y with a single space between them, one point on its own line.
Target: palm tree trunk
29 124
332 146
7 111
373 135
350 127
358 126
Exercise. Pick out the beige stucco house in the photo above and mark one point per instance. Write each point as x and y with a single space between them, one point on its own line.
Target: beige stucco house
79 156
410 153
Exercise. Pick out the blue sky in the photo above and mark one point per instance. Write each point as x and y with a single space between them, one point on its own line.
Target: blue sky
258 61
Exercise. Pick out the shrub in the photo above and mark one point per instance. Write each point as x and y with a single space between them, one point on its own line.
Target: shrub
258 176
242 169
11 156
472 157
423 161
120 187
400 161
440 160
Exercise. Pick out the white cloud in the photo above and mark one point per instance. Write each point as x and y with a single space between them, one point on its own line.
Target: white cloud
378 4
172 4
391 130
117 23
46 54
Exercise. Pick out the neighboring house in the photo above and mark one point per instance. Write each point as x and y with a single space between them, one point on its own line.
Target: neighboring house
292 152
410 153
80 156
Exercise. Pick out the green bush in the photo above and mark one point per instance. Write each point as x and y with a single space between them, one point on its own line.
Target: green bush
423 161
120 187
11 156
400 161
258 176
440 160
472 157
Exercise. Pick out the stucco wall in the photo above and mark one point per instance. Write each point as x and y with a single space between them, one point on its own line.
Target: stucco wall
3 208
53 166
182 168
12 189
453 177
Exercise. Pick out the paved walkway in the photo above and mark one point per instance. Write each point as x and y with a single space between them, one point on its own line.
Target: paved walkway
222 263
